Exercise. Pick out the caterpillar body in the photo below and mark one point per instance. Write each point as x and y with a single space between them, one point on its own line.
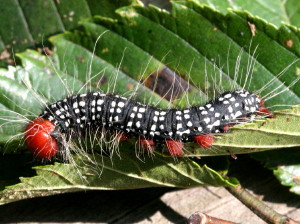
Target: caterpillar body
73 116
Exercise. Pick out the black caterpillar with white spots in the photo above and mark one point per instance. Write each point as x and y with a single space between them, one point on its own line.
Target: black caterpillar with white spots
82 112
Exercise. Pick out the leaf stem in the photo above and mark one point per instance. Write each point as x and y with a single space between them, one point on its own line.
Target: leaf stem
258 207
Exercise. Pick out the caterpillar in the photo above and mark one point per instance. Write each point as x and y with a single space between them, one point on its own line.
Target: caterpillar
73 116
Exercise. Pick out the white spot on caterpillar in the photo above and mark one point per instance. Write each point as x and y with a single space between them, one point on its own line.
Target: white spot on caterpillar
189 124
179 126
82 103
121 104
153 127
230 109
206 120
138 124
139 115
238 113
77 111
216 123
210 126
142 110
204 112
217 114
187 116
100 102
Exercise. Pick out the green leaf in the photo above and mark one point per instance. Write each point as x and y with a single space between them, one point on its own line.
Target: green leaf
28 23
200 36
289 176
125 171
285 166
273 11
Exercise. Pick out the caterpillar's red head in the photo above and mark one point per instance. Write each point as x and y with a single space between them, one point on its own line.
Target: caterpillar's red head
38 138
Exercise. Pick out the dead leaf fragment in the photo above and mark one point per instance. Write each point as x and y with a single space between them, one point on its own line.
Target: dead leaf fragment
252 28
289 43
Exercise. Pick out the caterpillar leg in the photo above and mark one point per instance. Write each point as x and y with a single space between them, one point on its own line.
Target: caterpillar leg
175 147
205 141
147 144
227 127
122 136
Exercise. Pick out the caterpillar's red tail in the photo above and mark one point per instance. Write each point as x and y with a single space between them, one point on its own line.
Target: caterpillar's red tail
38 138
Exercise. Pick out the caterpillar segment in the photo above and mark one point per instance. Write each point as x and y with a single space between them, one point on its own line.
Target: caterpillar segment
73 116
